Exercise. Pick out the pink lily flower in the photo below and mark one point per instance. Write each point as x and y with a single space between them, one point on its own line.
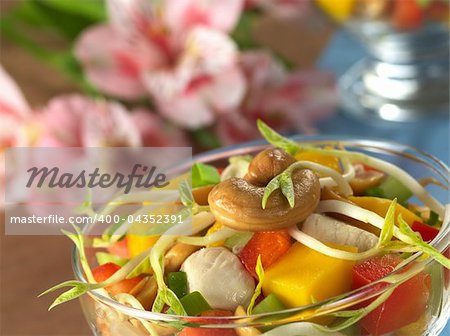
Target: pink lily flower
14 110
177 51
76 121
286 101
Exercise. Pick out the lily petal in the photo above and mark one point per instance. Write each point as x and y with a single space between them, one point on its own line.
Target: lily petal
133 16
226 90
109 124
155 132
181 15
187 111
208 51
113 63
11 98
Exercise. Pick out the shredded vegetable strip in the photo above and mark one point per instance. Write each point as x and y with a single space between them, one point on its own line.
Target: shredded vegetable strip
348 174
121 230
317 245
416 188
210 239
356 212
131 301
340 181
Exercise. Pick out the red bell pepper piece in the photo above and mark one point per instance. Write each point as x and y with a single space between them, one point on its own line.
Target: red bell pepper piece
406 304
271 245
105 271
427 232
407 14
120 249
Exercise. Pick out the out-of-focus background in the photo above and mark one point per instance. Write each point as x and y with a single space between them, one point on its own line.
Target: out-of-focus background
294 64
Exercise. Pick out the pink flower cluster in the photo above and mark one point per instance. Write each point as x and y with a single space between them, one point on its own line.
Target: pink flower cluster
180 55
76 121
176 51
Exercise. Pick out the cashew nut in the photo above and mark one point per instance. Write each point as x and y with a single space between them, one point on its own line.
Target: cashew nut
245 331
148 294
201 194
266 165
177 254
237 203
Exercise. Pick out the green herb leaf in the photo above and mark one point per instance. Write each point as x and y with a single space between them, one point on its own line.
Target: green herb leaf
79 241
273 185
169 298
143 267
287 187
388 228
186 196
69 283
158 304
260 272
276 139
85 208
416 240
203 175
104 257
71 294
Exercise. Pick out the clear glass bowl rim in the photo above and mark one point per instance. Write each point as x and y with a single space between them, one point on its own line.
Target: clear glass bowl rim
441 242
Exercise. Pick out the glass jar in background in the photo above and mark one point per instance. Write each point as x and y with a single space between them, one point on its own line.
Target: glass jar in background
406 75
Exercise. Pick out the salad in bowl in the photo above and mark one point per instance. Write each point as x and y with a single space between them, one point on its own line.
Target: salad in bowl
309 237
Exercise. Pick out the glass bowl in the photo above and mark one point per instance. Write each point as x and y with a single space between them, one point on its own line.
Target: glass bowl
405 76
107 317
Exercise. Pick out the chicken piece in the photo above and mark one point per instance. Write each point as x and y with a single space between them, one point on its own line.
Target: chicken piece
328 229
220 277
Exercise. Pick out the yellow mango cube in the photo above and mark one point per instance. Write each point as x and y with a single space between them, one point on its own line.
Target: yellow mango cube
139 243
323 159
303 275
381 205
339 10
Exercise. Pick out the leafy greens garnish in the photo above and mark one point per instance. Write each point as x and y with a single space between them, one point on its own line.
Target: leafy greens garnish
414 239
165 295
78 287
186 196
104 257
276 139
203 175
387 231
260 272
